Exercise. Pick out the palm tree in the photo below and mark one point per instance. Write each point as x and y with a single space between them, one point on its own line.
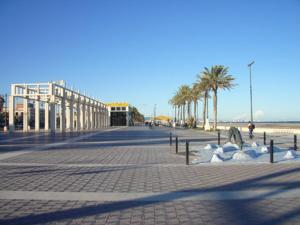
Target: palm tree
184 94
196 94
174 102
188 99
217 78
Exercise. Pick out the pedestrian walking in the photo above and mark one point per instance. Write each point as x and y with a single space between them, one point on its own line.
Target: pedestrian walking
251 127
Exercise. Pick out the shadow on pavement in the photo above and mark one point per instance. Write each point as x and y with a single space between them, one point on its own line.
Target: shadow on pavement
242 212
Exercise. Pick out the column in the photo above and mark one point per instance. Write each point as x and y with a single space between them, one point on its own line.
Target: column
63 112
78 123
46 116
11 113
93 117
37 115
68 121
52 117
82 118
71 113
107 118
101 116
25 115
52 109
89 116
97 116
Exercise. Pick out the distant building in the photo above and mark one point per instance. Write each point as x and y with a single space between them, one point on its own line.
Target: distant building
119 114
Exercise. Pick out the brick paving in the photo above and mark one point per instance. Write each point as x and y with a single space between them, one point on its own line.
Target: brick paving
139 160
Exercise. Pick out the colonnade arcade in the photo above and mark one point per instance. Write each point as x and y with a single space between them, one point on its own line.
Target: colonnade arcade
55 107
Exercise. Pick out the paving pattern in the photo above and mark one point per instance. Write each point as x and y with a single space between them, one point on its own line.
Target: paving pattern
110 165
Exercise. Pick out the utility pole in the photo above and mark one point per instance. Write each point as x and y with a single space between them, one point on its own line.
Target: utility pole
251 107
154 113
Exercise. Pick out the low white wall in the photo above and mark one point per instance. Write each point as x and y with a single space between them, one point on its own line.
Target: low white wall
266 129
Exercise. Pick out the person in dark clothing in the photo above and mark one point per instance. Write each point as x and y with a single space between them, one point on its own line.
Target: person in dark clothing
251 127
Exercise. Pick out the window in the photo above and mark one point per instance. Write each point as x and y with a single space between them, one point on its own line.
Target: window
113 108
118 108
123 108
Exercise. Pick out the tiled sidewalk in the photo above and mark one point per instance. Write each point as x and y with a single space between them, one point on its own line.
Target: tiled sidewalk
242 212
142 162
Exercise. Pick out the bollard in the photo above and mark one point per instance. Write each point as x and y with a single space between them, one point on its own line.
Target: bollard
271 151
265 138
170 139
187 153
219 138
295 142
176 143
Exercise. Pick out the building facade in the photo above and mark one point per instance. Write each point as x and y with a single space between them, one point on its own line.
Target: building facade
119 114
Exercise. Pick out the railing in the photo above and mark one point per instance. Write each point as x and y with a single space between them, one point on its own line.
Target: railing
187 144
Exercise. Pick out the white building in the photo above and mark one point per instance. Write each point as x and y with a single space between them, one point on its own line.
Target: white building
63 108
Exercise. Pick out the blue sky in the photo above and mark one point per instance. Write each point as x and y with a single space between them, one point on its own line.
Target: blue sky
141 51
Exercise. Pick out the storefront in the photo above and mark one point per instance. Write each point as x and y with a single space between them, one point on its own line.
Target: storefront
119 114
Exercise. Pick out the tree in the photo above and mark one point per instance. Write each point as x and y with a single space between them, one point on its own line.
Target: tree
185 99
136 115
174 102
217 78
196 94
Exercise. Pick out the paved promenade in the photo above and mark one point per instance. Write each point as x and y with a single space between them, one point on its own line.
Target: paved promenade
132 176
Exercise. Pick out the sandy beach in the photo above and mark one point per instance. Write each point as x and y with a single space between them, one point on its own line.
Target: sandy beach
276 125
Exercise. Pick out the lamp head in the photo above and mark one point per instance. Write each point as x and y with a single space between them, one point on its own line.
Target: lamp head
251 63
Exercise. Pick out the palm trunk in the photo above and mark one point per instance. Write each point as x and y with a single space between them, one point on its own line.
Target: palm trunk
181 109
215 109
175 107
189 110
195 112
178 113
190 103
184 112
204 109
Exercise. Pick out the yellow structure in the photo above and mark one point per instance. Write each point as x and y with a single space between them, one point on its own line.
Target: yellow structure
163 118
118 104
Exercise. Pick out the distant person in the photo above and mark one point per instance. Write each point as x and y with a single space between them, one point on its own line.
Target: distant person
181 123
251 127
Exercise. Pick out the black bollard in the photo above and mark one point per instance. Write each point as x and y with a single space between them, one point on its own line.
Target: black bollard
187 153
271 151
219 138
170 138
265 138
295 142
176 143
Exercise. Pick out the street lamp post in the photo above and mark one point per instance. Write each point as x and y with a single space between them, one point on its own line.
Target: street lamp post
251 107
154 113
